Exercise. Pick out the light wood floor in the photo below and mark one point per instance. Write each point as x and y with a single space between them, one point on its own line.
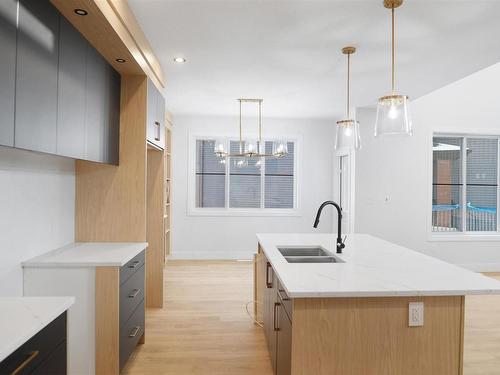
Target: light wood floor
204 328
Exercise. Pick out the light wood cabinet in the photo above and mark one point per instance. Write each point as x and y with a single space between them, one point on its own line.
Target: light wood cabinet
316 335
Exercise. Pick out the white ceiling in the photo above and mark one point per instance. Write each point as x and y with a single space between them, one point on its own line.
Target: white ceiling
288 52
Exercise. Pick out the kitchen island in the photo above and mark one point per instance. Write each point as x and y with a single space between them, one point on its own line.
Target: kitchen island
352 315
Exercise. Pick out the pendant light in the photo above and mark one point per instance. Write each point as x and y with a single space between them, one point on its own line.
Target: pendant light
393 111
251 148
348 129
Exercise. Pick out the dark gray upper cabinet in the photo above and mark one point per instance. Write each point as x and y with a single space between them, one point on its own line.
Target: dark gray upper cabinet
71 92
64 98
8 31
36 76
156 116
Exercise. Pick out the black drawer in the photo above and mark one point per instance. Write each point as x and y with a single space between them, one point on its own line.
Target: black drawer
37 349
130 333
132 265
131 294
55 364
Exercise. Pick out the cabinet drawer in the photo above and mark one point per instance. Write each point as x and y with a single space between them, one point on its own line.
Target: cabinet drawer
133 265
55 364
37 349
285 301
131 294
130 333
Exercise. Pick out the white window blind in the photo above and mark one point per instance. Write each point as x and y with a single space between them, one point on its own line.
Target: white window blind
244 183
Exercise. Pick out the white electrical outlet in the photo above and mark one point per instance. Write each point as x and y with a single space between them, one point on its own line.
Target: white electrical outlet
416 314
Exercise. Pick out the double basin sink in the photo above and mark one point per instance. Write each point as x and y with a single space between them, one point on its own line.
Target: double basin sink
304 254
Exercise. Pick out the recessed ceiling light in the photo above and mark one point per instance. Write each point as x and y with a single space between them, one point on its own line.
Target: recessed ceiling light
121 61
179 60
81 12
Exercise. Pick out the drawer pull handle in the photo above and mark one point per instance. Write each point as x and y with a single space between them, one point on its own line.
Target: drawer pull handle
135 331
269 283
134 293
31 357
275 316
134 265
157 136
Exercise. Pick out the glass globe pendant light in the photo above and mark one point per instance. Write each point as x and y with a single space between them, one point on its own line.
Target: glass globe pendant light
348 129
393 111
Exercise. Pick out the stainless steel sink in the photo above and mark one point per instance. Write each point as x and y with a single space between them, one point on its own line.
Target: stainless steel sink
314 259
313 251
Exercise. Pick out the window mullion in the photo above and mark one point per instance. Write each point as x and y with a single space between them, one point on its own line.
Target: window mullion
228 174
464 184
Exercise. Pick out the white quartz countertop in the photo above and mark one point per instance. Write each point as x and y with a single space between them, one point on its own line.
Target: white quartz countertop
24 317
373 267
88 254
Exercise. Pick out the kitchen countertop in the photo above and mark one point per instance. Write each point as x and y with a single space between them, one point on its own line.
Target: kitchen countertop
373 268
88 254
24 317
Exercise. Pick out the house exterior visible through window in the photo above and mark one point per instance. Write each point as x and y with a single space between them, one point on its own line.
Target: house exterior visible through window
236 184
465 184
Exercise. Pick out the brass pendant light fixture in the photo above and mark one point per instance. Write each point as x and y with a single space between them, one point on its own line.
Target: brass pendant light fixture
393 111
348 129
251 148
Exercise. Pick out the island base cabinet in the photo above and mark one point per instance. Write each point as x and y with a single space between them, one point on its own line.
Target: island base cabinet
354 336
371 336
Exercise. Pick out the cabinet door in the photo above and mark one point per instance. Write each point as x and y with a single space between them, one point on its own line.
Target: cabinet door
152 112
161 120
8 31
71 92
36 76
112 125
96 102
283 343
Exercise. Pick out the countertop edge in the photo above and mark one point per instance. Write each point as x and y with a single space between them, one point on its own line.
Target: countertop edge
39 262
19 341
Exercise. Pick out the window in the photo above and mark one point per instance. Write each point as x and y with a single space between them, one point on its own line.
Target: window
244 184
465 184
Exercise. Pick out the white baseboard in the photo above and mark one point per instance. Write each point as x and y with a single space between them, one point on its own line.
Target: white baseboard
212 255
481 267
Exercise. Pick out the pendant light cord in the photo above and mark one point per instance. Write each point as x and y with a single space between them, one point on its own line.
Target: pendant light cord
393 55
348 86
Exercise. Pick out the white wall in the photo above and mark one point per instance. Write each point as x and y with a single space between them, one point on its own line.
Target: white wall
37 199
393 175
230 237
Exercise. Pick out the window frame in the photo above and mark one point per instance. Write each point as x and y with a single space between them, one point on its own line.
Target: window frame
231 211
461 235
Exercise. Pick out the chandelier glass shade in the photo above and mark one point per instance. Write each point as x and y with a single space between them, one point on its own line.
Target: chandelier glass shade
252 147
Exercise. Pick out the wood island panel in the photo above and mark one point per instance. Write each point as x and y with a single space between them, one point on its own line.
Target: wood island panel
370 336
107 320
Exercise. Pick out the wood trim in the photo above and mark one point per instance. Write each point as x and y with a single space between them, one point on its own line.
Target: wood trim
370 336
259 281
107 321
155 231
110 201
113 30
462 335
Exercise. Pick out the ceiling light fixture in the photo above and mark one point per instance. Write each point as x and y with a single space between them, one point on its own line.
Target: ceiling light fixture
348 129
251 148
81 12
179 60
393 111
121 61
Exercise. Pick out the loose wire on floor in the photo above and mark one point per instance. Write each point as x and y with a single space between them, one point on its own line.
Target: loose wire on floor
260 324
